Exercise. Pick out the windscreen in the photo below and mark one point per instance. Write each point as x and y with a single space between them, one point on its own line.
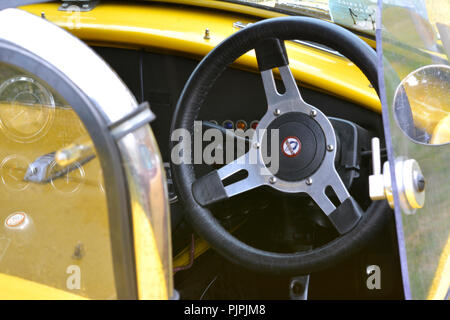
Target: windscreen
414 49
358 15
54 218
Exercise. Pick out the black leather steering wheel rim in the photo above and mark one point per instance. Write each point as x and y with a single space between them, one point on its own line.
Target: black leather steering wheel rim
193 97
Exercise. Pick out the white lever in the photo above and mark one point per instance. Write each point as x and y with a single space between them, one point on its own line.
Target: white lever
409 181
376 180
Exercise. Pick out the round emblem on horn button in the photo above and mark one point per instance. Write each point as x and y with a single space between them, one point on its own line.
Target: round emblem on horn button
291 146
301 146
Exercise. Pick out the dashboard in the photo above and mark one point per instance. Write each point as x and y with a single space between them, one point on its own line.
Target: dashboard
237 97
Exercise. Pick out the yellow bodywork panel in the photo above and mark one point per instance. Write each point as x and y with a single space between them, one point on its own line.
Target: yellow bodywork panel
149 268
241 9
180 30
14 288
441 281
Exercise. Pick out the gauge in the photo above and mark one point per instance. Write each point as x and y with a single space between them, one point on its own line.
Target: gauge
12 171
241 124
27 109
71 181
254 124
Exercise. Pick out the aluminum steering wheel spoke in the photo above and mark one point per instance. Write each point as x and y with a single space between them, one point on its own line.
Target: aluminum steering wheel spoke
211 188
317 191
290 97
288 107
290 100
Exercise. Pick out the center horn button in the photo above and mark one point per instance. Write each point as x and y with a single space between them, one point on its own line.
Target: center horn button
302 146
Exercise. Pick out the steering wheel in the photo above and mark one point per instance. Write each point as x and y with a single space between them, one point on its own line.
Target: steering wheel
307 147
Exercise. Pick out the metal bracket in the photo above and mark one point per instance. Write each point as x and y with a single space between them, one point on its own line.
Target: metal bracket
298 288
78 5
409 180
133 121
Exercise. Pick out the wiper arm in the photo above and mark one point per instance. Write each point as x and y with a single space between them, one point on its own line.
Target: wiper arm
56 164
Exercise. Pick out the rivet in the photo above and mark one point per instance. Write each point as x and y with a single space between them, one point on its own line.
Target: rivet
309 181
78 252
330 147
272 180
419 182
313 113
277 112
